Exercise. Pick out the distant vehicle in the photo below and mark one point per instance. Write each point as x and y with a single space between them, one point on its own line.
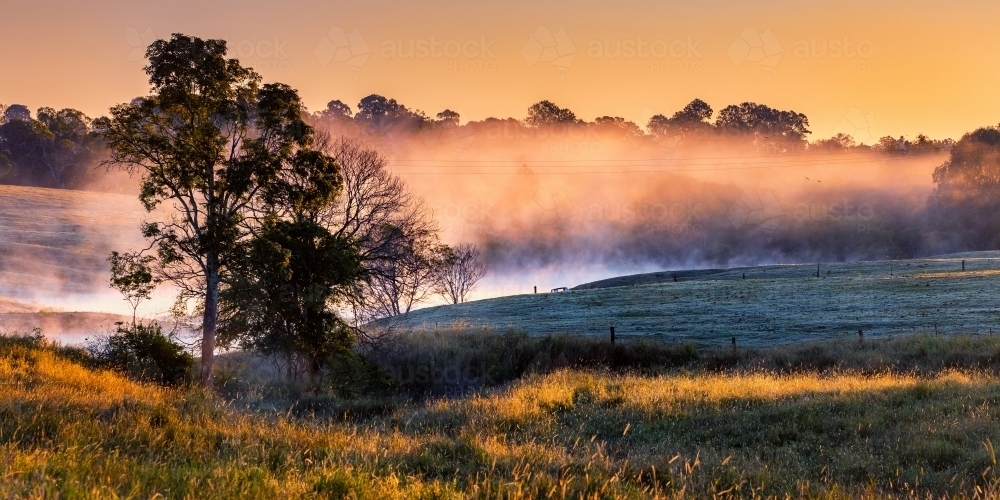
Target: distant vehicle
560 289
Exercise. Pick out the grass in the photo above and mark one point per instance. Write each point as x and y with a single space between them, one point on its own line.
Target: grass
911 417
773 305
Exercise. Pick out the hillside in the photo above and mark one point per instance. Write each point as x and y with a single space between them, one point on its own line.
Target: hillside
68 327
55 242
72 432
759 305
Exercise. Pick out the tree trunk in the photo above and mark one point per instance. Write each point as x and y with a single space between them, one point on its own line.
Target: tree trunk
209 323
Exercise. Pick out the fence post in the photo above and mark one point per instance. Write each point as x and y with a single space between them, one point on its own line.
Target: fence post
963 265
612 334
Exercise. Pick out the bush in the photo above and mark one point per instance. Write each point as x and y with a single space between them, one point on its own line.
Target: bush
143 352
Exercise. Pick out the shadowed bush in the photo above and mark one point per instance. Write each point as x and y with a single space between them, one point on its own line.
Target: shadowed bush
143 352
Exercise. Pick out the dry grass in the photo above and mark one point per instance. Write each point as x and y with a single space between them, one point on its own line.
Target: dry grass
71 432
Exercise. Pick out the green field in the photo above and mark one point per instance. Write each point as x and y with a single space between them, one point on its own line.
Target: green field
771 305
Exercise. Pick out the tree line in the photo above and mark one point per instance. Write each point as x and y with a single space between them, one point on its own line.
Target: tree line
59 148
753 126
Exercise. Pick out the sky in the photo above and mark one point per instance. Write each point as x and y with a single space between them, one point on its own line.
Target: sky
869 68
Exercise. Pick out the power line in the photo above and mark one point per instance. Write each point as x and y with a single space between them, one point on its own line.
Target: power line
737 159
654 168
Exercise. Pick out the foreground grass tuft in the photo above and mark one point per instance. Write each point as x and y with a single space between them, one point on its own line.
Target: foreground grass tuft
70 431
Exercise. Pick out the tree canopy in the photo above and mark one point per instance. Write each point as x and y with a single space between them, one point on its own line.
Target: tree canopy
209 140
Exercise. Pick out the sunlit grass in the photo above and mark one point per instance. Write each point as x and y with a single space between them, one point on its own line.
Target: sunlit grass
72 432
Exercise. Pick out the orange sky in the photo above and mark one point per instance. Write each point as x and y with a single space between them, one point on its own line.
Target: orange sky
892 67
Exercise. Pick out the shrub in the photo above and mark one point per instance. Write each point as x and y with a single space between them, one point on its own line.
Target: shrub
143 352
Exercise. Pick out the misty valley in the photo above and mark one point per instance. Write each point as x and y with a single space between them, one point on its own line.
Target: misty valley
213 287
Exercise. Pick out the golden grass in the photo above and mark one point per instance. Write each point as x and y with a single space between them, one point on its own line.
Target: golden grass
67 431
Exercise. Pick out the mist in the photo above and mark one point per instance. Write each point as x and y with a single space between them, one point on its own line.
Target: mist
563 207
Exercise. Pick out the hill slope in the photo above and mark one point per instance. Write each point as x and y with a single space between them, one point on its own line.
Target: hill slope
55 241
771 305
71 432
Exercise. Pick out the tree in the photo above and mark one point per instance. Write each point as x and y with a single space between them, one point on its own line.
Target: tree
26 143
393 231
71 147
405 275
448 118
207 140
696 113
839 142
280 300
459 273
545 113
54 150
766 128
133 278
336 110
16 112
380 114
618 125
690 120
280 297
965 203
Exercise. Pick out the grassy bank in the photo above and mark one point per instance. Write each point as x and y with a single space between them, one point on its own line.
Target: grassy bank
877 425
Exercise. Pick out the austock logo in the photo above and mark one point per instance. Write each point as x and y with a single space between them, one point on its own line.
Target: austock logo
753 46
859 125
544 46
448 378
340 46
137 43
755 210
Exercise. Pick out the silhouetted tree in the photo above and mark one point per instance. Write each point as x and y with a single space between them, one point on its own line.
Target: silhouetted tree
618 125
449 118
379 114
965 204
384 221
839 142
282 295
766 128
132 276
545 113
459 272
337 110
16 112
692 120
207 140
54 150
